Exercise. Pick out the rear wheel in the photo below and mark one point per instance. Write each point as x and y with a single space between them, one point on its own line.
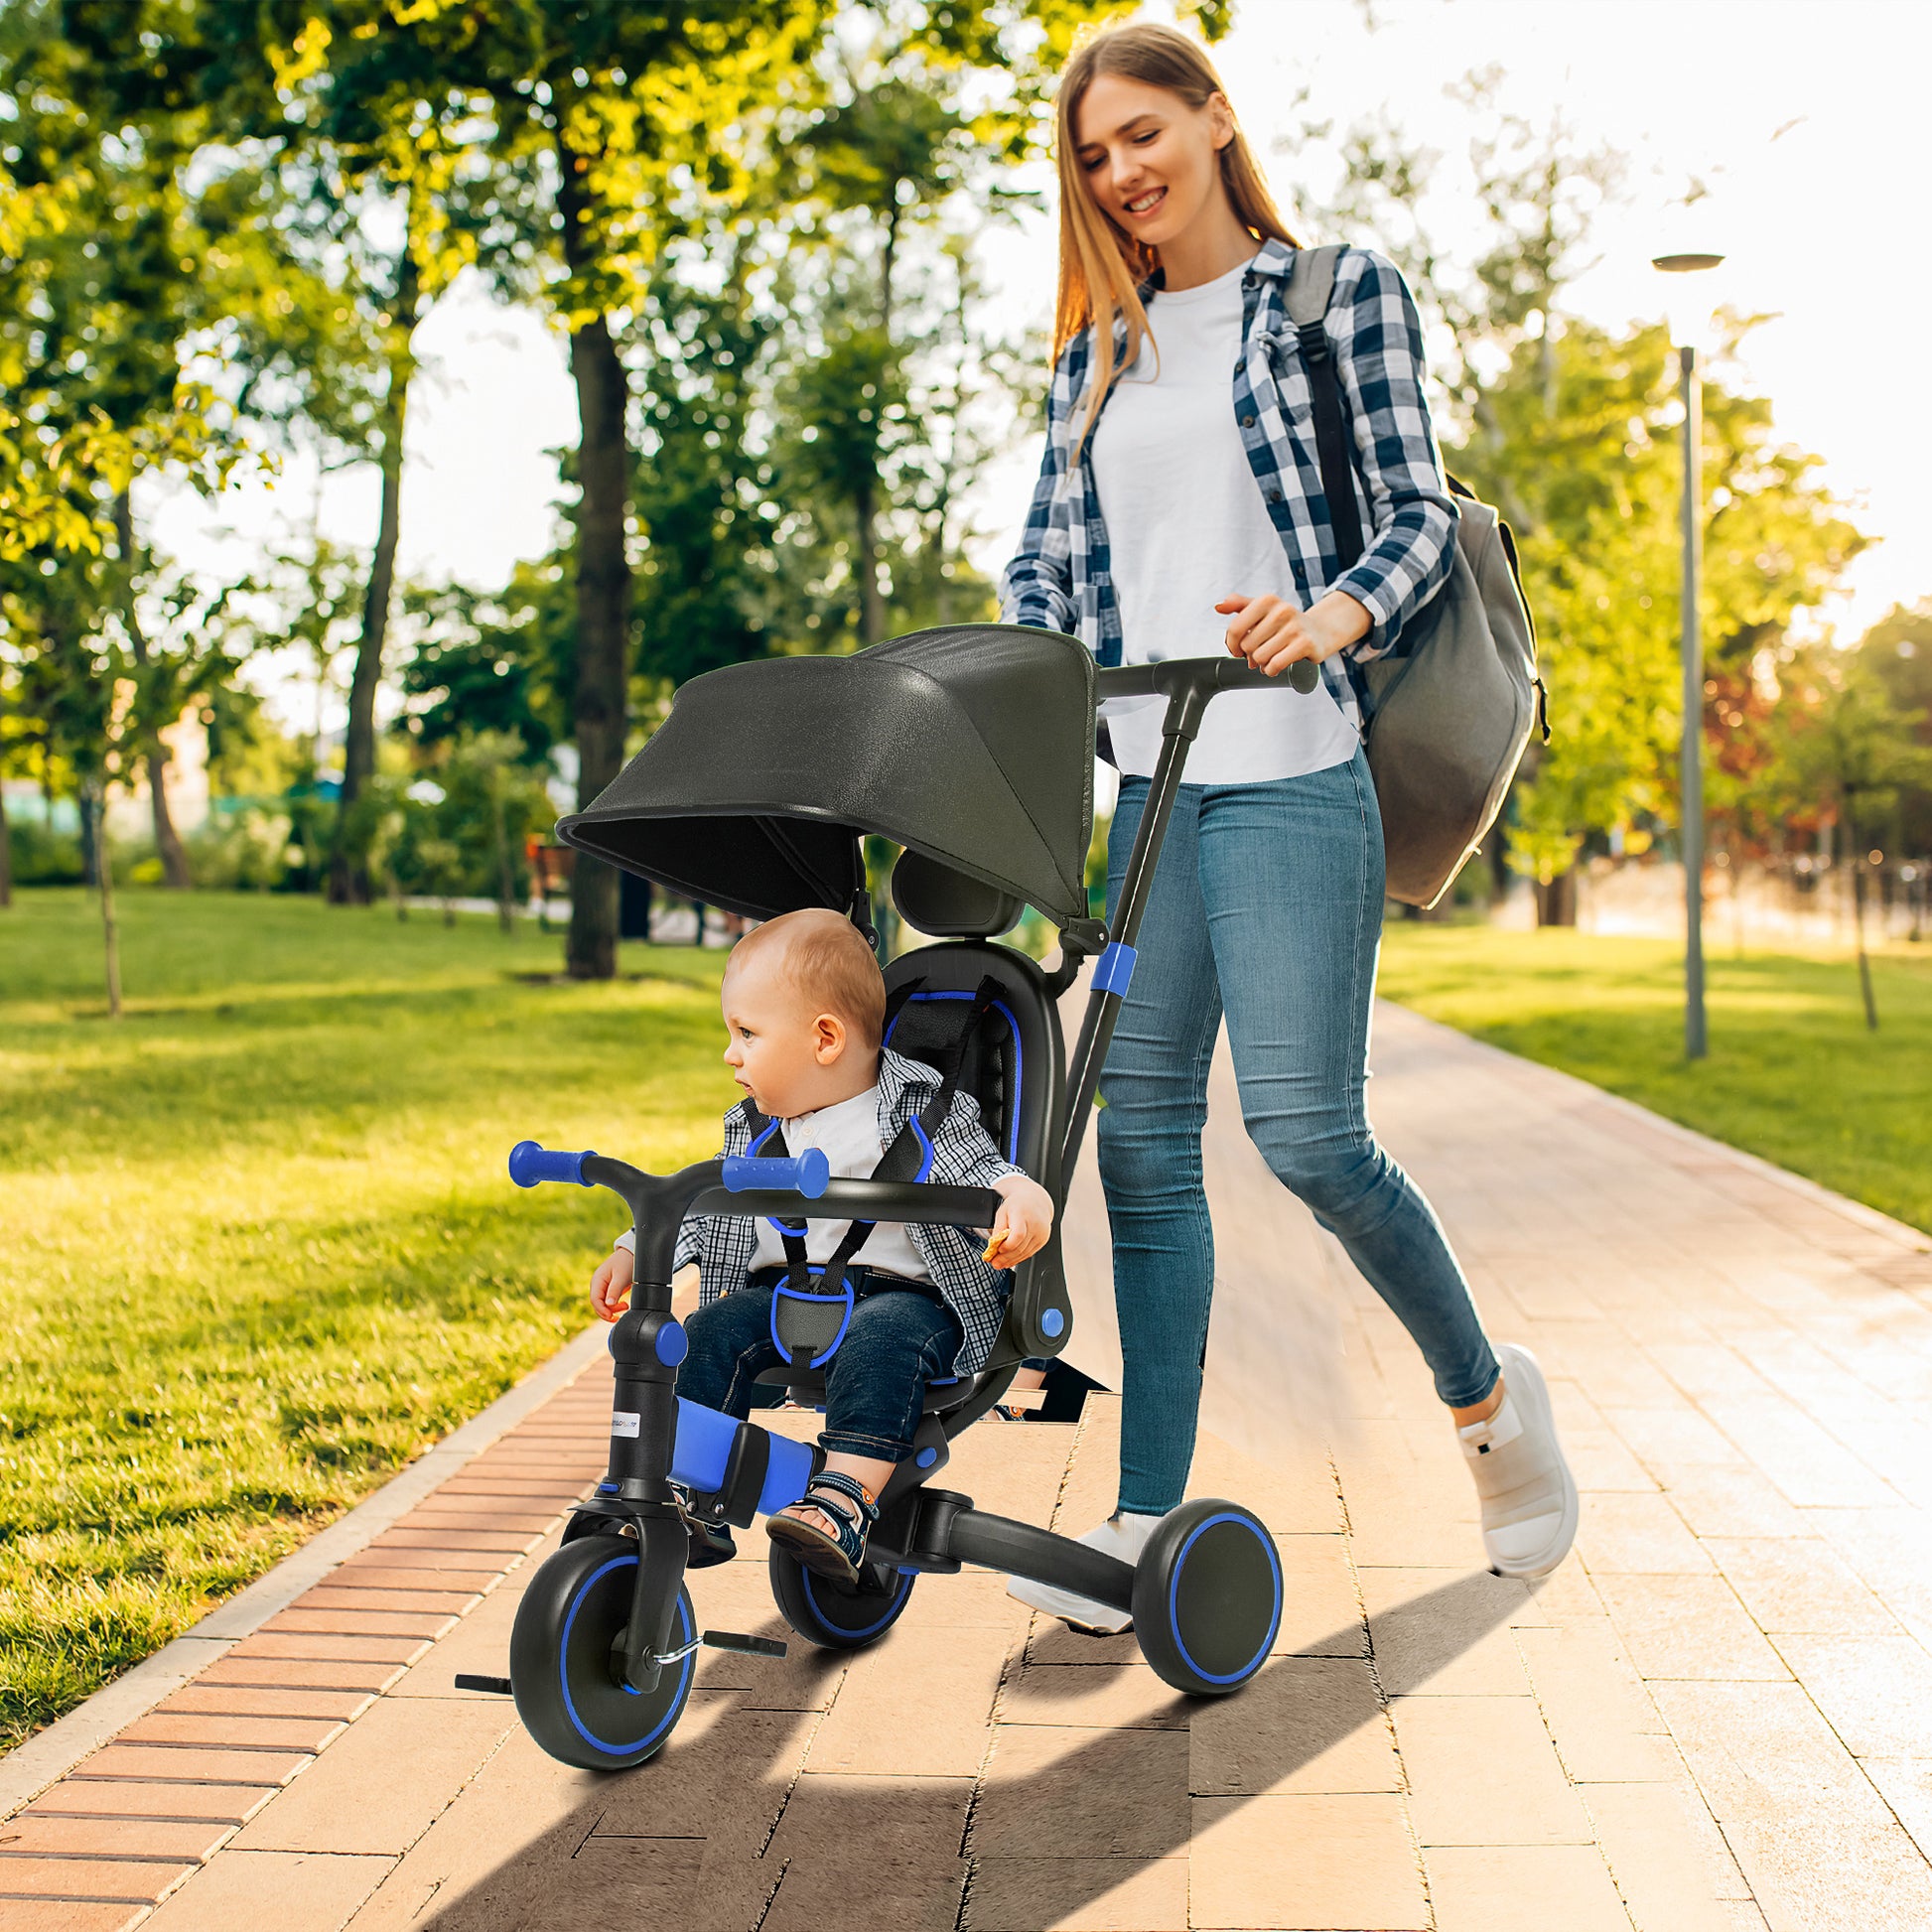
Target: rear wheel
1207 1597
838 1616
566 1674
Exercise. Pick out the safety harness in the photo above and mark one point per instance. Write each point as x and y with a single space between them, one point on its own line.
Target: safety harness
814 1322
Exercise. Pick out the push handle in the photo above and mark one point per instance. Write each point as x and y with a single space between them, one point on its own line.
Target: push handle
807 1174
530 1162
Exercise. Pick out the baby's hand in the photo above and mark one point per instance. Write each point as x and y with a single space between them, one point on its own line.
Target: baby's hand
1025 1220
611 1285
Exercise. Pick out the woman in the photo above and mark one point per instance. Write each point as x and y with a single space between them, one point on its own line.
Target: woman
1179 408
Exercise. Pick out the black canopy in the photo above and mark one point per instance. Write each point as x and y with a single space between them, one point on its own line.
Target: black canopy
972 744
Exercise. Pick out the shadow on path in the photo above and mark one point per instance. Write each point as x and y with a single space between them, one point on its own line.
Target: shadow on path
723 1834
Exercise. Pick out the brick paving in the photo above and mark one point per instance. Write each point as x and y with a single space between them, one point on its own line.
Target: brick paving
1710 1721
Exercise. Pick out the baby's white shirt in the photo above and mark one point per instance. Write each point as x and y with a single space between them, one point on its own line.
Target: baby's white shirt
847 1134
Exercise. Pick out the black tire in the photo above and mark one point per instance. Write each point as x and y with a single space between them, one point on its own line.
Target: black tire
570 1698
838 1616
1207 1597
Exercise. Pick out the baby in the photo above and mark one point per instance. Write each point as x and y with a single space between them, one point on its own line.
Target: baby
804 1005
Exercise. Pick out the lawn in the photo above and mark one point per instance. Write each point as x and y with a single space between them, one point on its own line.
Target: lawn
1792 1073
260 1245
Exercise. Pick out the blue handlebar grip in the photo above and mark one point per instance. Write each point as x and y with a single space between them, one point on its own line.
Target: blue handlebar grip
530 1162
807 1174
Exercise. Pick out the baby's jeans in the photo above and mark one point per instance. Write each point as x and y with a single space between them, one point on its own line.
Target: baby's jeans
897 1341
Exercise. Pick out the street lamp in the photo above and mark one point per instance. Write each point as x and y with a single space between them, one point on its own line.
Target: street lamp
1686 328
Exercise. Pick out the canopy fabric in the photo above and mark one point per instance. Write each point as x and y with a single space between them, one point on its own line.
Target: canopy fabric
972 744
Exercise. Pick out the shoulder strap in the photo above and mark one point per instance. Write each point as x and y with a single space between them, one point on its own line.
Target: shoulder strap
1310 282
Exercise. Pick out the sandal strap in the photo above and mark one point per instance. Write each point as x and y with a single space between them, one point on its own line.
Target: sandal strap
849 1487
849 1532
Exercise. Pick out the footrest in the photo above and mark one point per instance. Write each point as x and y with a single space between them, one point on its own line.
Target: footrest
732 1640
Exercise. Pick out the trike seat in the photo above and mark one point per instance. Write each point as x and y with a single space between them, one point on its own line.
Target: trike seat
1010 1062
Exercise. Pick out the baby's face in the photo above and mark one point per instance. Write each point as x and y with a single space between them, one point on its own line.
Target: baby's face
777 1049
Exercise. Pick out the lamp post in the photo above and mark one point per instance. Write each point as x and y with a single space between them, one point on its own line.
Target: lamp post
1684 333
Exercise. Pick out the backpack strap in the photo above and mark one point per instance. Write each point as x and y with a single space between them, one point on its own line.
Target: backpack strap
1310 282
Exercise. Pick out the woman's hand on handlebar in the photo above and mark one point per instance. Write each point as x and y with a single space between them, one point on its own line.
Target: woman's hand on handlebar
611 1285
1271 633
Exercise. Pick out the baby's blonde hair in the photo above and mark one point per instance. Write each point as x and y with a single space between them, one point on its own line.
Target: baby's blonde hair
825 958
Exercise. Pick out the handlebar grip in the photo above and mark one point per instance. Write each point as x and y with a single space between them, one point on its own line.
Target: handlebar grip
530 1163
807 1174
1303 676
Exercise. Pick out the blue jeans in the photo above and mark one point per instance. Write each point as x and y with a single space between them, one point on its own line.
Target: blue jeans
1267 906
899 1340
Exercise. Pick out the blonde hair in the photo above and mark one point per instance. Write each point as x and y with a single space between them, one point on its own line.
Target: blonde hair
1101 266
824 957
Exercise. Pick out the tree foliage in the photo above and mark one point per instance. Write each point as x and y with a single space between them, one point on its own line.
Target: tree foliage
1573 430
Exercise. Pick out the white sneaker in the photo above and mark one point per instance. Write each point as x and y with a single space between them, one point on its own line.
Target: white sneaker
1528 1495
1122 1536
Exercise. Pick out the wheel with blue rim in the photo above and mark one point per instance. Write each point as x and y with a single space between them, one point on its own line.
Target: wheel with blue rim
1207 1597
838 1616
566 1673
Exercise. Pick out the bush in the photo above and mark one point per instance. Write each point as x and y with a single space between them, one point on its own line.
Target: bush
42 856
242 850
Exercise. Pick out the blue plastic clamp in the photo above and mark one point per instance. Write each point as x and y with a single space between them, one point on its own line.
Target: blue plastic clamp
1113 971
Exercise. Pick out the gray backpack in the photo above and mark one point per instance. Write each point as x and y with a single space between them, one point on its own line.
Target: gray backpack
1446 722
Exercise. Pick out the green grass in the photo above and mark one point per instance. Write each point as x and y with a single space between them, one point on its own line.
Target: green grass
1792 1073
260 1247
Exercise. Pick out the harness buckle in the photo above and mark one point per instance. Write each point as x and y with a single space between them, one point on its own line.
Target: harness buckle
810 1317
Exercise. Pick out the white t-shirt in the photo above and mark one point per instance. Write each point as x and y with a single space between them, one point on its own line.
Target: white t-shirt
1186 527
848 1135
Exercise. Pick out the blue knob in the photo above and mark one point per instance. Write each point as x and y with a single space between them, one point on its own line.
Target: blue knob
1052 1321
673 1345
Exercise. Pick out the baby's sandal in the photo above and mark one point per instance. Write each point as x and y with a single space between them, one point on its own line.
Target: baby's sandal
840 1501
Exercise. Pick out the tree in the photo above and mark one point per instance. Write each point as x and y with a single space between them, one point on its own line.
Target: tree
1853 748
162 267
1570 428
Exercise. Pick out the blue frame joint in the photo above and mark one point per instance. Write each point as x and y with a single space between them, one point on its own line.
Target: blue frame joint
1113 971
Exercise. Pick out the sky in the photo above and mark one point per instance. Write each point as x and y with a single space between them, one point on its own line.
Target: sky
1805 119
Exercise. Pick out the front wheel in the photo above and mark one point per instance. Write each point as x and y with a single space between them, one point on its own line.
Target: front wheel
565 1670
836 1616
1207 1597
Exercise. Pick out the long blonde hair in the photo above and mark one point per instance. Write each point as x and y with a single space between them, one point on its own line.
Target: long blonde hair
1101 266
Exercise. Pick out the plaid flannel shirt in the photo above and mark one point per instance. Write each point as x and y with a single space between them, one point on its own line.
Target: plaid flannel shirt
963 1156
1061 578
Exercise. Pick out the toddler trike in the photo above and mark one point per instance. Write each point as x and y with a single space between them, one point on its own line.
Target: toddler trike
971 747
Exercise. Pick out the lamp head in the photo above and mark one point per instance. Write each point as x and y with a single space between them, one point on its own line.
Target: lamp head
1689 316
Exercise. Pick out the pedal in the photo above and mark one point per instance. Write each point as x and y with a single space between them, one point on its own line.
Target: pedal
748 1646
496 1686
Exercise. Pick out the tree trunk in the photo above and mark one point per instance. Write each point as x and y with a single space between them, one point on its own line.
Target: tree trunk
1858 922
6 852
602 594
1556 902
91 841
506 871
349 871
871 605
166 841
110 935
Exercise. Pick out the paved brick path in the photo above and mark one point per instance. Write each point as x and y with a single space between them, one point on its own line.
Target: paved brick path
1709 1722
